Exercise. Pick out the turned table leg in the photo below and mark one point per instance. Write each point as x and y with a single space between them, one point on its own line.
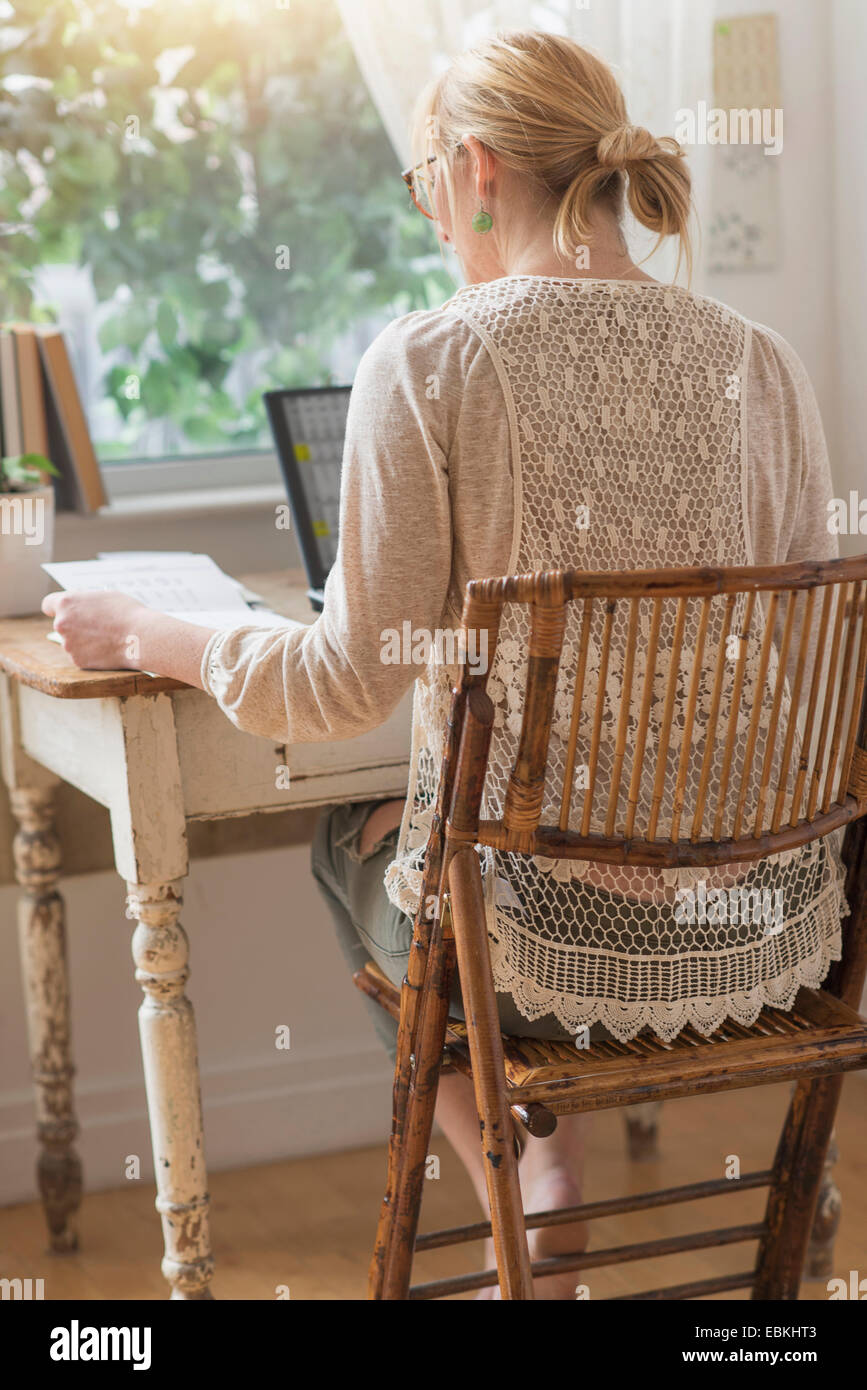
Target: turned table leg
150 853
171 1067
46 988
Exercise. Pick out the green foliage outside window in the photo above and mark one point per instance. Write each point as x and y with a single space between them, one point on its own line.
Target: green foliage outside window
174 149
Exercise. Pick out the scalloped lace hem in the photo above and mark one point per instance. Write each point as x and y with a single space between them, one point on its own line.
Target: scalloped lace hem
625 1021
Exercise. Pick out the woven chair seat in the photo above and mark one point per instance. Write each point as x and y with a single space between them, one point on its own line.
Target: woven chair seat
818 1032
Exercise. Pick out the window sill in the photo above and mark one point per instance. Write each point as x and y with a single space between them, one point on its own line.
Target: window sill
193 503
223 472
235 525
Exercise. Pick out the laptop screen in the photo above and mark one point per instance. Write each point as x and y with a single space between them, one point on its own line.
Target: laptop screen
308 425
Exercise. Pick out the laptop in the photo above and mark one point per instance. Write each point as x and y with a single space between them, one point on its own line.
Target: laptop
308 425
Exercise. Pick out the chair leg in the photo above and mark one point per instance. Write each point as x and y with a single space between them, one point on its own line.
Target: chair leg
419 1060
409 1008
486 1053
820 1251
400 1093
642 1130
798 1171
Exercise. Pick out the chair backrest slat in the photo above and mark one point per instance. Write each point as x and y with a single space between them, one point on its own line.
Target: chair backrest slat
815 684
667 715
577 704
830 688
710 744
684 704
791 728
858 700
755 716
734 715
641 735
623 717
593 764
524 793
779 683
689 718
842 693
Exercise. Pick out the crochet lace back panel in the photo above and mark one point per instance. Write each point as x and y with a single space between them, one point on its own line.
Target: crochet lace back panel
629 453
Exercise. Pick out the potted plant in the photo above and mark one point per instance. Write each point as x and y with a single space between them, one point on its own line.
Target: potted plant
26 532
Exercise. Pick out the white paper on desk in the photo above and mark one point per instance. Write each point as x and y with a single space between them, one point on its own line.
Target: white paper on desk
173 556
191 584
181 584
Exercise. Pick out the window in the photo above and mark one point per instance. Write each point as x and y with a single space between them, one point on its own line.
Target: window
201 193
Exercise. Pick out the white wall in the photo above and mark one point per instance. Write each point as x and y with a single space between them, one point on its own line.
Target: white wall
817 296
849 212
262 954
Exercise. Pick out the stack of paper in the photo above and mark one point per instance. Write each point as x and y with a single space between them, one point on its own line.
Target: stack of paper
178 583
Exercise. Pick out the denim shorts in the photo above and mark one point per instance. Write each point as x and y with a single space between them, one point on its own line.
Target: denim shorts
370 927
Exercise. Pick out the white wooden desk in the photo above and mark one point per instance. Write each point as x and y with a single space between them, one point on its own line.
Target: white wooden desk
157 754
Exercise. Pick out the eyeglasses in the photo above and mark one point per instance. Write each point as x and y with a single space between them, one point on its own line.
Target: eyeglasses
418 186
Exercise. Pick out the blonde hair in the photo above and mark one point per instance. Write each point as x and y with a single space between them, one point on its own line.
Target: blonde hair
553 112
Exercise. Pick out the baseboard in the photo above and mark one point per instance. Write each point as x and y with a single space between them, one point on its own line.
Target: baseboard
256 1112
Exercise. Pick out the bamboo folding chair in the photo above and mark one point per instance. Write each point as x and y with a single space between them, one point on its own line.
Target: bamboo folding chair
534 1081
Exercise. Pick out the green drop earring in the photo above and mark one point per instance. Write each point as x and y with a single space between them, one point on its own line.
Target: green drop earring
482 221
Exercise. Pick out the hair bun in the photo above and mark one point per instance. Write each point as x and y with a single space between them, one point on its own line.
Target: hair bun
626 145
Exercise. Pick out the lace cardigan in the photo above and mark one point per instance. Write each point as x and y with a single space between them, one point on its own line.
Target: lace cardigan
531 423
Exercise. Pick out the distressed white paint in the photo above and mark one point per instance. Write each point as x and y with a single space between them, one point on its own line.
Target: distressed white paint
147 810
18 769
224 775
79 740
171 1067
45 976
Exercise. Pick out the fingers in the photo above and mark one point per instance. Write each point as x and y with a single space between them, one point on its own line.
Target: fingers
58 607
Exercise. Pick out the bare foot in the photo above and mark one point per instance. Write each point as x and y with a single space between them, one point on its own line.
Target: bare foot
548 1191
490 1263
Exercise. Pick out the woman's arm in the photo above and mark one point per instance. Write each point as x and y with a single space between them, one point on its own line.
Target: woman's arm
337 678
111 632
789 482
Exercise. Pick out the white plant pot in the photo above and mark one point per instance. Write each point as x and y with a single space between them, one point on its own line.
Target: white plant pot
26 543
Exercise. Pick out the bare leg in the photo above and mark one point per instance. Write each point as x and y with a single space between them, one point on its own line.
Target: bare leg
551 1173
456 1114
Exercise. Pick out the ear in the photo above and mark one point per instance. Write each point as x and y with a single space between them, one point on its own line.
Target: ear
483 167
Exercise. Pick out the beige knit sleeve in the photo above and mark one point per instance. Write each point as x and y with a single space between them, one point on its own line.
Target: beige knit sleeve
789 479
393 562
789 483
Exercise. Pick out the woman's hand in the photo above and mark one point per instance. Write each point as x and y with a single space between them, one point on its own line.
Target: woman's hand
112 632
99 631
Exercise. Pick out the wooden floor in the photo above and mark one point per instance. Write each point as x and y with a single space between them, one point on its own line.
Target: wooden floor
309 1223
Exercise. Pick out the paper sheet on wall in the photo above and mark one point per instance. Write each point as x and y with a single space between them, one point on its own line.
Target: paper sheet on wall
744 221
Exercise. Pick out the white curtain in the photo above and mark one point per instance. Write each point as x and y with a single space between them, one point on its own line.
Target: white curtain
661 52
849 47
